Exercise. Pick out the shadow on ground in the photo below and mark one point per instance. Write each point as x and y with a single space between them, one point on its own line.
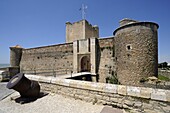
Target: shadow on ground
24 100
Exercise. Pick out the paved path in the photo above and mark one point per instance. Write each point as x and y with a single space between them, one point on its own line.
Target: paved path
52 103
4 92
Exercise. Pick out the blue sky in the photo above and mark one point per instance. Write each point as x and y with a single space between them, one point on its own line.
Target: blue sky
33 23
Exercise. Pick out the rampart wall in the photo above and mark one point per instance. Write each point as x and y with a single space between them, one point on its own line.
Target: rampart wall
133 99
106 58
48 60
165 73
58 59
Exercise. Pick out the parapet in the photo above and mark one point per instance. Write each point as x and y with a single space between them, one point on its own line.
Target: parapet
126 21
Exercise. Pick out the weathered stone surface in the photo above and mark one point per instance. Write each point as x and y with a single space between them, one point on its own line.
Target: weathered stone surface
36 78
122 89
167 92
107 98
133 91
44 79
29 76
65 82
145 92
149 111
80 30
158 94
138 104
136 51
106 59
129 103
147 106
110 88
132 101
55 80
115 100
48 60
97 86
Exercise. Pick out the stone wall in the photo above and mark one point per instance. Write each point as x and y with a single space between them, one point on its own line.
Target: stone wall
15 55
74 31
136 52
48 60
80 30
165 73
105 59
132 99
91 31
12 71
58 59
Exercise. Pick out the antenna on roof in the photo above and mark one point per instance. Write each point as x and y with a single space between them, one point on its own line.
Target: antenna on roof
83 11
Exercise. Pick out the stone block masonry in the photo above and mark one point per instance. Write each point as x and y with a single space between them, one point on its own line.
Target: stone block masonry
80 30
48 60
136 51
58 59
133 99
106 60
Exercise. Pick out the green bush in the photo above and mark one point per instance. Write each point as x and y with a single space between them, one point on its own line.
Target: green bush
112 79
161 77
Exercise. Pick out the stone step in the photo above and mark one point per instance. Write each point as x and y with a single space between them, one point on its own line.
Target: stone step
111 110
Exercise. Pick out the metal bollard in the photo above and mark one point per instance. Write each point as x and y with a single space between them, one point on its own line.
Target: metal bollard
24 86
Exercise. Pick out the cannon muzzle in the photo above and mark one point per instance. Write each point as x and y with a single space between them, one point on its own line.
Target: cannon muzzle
24 86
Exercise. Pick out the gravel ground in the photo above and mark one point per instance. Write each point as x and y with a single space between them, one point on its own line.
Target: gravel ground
48 104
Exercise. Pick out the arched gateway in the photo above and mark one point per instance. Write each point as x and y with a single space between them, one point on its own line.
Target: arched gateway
85 64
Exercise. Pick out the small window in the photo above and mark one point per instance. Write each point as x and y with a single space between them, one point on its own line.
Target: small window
128 47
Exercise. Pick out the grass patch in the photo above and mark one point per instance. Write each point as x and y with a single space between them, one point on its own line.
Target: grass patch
161 77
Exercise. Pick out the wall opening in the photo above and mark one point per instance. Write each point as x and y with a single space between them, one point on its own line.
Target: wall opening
85 64
128 47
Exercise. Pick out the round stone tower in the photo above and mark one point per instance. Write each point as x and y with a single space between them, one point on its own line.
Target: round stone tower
136 51
15 55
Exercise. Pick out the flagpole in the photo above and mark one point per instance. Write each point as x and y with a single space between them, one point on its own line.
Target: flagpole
83 8
83 11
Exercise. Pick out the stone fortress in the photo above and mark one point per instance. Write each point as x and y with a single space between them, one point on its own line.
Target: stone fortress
129 55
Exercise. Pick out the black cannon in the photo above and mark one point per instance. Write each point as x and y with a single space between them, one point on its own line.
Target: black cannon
24 86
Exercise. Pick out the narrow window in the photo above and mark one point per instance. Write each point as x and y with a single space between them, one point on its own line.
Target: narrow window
89 44
77 46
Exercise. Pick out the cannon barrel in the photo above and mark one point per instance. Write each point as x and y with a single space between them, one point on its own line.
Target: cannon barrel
24 86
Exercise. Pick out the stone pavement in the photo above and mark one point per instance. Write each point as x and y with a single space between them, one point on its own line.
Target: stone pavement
4 92
52 103
111 110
